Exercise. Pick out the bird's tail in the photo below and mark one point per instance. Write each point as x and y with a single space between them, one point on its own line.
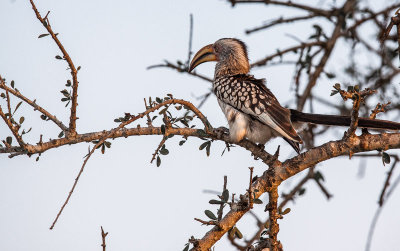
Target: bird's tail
338 120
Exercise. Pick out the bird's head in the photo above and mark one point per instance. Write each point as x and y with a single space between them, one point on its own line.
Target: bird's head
230 54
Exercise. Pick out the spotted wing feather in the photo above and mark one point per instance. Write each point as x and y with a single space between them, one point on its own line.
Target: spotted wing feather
251 96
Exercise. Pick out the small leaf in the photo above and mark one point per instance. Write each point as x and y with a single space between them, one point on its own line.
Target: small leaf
12 83
232 232
61 134
44 117
9 140
238 233
164 151
302 191
318 176
210 215
107 143
163 129
385 158
103 148
182 142
79 67
37 158
202 146
216 202
186 247
286 211
64 99
158 161
68 83
43 35
257 201
225 195
21 120
18 105
117 120
334 92
330 75
58 57
357 88
337 86
350 88
65 93
208 148
158 100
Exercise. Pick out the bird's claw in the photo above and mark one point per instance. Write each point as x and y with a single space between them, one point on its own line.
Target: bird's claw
220 131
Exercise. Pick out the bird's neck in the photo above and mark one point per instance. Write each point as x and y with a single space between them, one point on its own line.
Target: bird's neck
232 68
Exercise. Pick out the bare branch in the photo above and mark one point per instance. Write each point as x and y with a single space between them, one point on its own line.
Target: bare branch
387 181
317 11
74 71
181 69
280 20
285 51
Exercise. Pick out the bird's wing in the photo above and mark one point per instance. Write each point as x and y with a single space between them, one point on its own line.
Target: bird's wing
251 96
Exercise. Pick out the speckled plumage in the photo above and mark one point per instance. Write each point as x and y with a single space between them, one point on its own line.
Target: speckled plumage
252 111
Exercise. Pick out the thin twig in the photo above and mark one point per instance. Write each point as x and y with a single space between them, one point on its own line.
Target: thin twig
378 212
323 189
221 207
280 20
208 223
34 105
103 238
190 40
280 53
249 191
74 71
12 128
180 69
387 181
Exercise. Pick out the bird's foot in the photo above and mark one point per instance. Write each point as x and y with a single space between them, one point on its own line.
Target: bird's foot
221 131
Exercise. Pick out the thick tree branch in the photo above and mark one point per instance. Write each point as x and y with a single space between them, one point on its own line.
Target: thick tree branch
284 170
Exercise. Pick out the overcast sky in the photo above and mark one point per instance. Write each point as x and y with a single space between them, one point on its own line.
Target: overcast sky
141 206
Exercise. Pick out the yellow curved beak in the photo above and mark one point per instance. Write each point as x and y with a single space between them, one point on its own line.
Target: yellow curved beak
205 54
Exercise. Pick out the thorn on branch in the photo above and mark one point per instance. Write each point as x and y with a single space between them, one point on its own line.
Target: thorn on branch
208 223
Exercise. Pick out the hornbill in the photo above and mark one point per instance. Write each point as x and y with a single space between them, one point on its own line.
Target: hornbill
251 109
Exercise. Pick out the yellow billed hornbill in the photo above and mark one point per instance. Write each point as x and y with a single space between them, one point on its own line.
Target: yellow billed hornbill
251 109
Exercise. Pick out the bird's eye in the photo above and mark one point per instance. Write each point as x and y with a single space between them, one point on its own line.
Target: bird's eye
216 49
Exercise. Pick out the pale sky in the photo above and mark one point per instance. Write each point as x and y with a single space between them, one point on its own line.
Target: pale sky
141 206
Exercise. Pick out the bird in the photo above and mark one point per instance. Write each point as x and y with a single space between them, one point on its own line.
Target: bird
251 109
